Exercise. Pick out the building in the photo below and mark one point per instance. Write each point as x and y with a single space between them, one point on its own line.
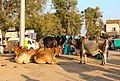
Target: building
112 27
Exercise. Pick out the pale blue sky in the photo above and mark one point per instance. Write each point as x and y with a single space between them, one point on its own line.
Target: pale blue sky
110 8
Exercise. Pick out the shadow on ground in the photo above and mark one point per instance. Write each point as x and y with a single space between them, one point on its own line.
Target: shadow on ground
28 78
85 70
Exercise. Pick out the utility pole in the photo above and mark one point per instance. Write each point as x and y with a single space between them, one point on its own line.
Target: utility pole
22 23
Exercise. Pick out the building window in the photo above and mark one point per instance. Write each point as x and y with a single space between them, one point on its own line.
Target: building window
113 29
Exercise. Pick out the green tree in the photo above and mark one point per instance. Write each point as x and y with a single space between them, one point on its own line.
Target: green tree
93 21
0 4
66 19
11 14
51 25
0 12
69 16
34 13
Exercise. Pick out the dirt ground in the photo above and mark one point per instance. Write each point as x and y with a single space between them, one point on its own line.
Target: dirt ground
67 68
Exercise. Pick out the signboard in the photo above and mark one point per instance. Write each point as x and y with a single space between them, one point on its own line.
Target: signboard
29 32
11 34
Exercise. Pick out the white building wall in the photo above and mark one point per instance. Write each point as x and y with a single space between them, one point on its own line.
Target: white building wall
112 28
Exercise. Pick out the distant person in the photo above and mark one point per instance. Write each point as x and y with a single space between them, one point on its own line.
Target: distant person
68 37
112 47
107 51
26 42
4 43
1 46
66 47
41 43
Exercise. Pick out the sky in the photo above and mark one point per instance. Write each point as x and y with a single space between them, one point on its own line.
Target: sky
109 8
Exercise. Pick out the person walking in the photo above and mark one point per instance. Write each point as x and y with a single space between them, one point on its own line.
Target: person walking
107 51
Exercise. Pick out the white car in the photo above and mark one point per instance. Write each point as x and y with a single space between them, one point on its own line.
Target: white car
32 44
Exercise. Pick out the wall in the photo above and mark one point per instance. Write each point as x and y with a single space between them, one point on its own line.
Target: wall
112 27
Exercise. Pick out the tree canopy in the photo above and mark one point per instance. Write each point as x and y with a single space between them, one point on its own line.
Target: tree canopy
93 21
69 16
66 20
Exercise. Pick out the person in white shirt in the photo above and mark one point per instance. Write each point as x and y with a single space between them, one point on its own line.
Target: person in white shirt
4 43
1 46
